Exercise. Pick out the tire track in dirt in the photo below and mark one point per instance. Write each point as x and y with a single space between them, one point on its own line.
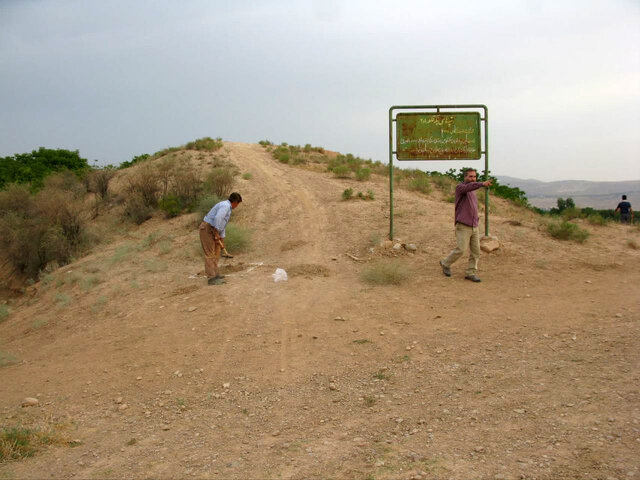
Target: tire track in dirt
280 199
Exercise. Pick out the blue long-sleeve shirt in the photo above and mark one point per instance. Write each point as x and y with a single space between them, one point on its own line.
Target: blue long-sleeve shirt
218 216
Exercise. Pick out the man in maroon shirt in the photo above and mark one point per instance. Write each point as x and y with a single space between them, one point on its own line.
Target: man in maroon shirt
466 222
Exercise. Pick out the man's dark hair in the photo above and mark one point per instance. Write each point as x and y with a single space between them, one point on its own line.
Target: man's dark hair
624 197
235 197
467 170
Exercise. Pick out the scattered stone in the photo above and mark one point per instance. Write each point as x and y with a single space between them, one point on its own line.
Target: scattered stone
479 449
519 410
165 427
334 258
332 386
489 244
339 319
192 309
138 378
118 400
411 247
386 244
123 407
397 246
276 433
226 385
30 402
618 315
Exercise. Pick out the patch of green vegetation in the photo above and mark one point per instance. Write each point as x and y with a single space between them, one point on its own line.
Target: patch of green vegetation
369 401
122 253
347 194
207 144
7 359
381 375
4 313
362 341
89 282
18 442
247 176
37 324
237 239
567 231
385 273
62 299
420 184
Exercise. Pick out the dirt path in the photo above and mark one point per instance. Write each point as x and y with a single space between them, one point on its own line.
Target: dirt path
532 374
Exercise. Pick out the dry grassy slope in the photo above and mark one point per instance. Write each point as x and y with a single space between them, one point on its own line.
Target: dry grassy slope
533 372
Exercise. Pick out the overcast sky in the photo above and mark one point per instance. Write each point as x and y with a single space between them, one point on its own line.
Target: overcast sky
118 78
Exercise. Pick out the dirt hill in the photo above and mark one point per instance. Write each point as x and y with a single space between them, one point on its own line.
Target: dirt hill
533 373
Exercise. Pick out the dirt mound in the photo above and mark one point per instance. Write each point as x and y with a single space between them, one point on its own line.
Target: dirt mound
532 373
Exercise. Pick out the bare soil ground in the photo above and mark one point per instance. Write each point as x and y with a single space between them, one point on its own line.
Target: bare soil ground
532 374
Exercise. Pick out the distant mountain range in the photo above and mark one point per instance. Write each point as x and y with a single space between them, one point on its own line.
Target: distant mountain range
598 195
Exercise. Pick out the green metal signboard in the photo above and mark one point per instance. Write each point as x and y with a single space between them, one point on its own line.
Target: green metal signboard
438 136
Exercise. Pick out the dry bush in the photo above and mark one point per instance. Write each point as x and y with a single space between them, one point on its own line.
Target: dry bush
186 186
136 209
65 181
99 181
145 185
165 171
220 181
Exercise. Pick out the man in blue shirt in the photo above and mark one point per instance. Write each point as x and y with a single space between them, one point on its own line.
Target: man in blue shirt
626 212
212 233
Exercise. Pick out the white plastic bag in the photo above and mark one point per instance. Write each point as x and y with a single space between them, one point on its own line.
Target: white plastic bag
280 275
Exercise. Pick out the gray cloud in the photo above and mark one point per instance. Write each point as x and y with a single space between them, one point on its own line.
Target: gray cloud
115 79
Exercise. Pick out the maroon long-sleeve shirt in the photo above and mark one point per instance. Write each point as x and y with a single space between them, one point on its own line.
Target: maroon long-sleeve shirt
467 203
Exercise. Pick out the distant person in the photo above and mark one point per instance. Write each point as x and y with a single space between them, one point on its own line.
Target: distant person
212 233
626 212
466 222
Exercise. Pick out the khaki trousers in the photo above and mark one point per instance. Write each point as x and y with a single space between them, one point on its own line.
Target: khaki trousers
211 249
467 238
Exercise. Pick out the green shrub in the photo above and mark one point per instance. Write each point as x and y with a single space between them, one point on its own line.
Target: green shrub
283 157
370 195
421 184
341 171
171 206
35 166
220 181
570 213
347 194
237 239
134 160
567 231
265 143
207 144
247 176
385 273
597 219
363 174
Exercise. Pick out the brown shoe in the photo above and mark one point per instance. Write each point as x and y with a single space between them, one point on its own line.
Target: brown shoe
215 281
473 278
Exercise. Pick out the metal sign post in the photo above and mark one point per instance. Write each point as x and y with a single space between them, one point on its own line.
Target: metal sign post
439 135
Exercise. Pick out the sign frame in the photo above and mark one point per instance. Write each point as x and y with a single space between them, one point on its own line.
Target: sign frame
442 110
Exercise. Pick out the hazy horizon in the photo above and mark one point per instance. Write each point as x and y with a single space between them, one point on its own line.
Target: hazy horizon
117 79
